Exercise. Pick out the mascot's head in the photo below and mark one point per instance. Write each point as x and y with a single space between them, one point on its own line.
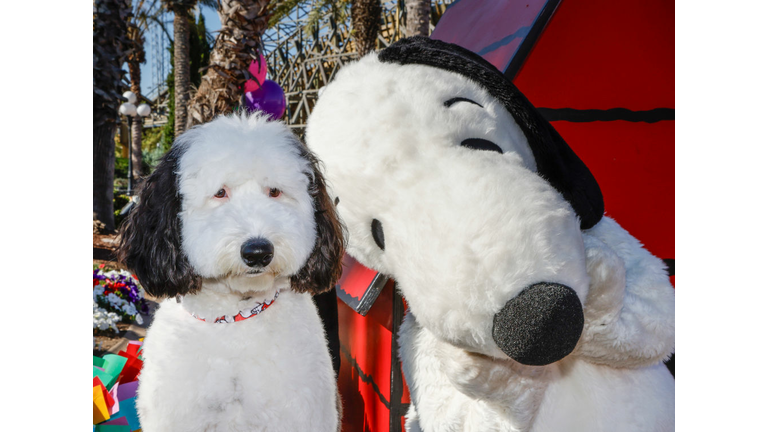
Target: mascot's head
452 183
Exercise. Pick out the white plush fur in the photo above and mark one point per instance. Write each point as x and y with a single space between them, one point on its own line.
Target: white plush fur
456 390
246 156
630 309
272 371
465 231
439 203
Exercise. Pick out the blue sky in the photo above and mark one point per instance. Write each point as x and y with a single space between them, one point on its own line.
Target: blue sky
212 23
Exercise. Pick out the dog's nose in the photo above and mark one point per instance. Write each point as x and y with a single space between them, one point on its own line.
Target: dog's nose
541 325
257 252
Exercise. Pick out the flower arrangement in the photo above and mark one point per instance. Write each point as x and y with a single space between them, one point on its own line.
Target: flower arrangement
117 296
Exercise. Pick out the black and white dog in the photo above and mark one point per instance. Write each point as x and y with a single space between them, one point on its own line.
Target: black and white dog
235 230
528 310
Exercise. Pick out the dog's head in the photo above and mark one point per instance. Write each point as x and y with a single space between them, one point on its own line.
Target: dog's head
450 181
241 201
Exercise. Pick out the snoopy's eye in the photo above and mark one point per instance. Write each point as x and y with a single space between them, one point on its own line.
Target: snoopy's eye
221 193
274 193
481 144
452 101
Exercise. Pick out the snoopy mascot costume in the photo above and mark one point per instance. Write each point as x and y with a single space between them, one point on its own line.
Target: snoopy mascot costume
528 309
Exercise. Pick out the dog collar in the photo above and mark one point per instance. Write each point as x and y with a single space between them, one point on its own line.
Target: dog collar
242 315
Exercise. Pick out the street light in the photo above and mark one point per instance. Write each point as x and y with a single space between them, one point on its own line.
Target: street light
129 110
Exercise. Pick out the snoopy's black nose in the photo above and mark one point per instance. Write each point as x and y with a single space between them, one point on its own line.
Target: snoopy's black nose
541 325
257 252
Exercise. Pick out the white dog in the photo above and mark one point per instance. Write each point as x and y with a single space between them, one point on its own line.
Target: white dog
235 229
527 309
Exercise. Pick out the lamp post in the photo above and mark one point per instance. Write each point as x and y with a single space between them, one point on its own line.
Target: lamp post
129 110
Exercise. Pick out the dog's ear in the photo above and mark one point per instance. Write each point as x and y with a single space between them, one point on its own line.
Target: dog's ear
150 238
323 267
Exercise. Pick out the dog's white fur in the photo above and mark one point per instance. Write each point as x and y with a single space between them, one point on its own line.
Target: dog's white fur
466 231
272 371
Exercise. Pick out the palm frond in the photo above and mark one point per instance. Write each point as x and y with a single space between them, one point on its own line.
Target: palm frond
281 9
336 9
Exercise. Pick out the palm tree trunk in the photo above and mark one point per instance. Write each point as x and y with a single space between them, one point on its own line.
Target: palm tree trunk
366 20
104 174
135 71
243 23
417 17
181 67
122 134
110 49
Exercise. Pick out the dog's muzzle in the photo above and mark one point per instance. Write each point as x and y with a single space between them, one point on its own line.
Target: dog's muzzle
257 252
541 325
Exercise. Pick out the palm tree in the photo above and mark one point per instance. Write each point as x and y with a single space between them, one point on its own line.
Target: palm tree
417 17
337 9
144 14
181 10
111 46
242 24
200 45
135 59
366 20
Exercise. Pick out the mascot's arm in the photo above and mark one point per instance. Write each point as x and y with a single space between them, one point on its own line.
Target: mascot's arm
629 313
454 390
512 388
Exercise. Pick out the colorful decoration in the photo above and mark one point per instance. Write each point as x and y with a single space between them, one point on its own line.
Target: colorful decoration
269 98
117 296
115 381
242 315
259 72
262 94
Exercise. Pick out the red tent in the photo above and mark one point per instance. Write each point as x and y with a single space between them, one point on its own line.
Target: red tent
602 72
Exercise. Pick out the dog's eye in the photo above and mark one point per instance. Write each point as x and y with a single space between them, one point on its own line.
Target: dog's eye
221 193
274 193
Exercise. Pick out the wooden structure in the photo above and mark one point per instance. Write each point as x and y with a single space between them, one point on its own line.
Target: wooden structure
303 63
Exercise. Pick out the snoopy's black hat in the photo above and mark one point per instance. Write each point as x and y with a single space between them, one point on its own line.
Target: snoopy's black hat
555 161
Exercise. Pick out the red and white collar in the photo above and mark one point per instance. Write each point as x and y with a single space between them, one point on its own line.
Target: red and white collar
242 315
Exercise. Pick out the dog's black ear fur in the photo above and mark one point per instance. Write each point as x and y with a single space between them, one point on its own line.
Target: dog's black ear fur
323 267
150 237
555 160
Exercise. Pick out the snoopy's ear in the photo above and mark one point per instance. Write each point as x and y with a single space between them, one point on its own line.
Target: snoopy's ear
150 238
323 267
555 161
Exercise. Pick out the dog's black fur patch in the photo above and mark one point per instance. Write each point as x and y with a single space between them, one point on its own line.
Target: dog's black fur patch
378 233
150 238
555 161
541 325
323 267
